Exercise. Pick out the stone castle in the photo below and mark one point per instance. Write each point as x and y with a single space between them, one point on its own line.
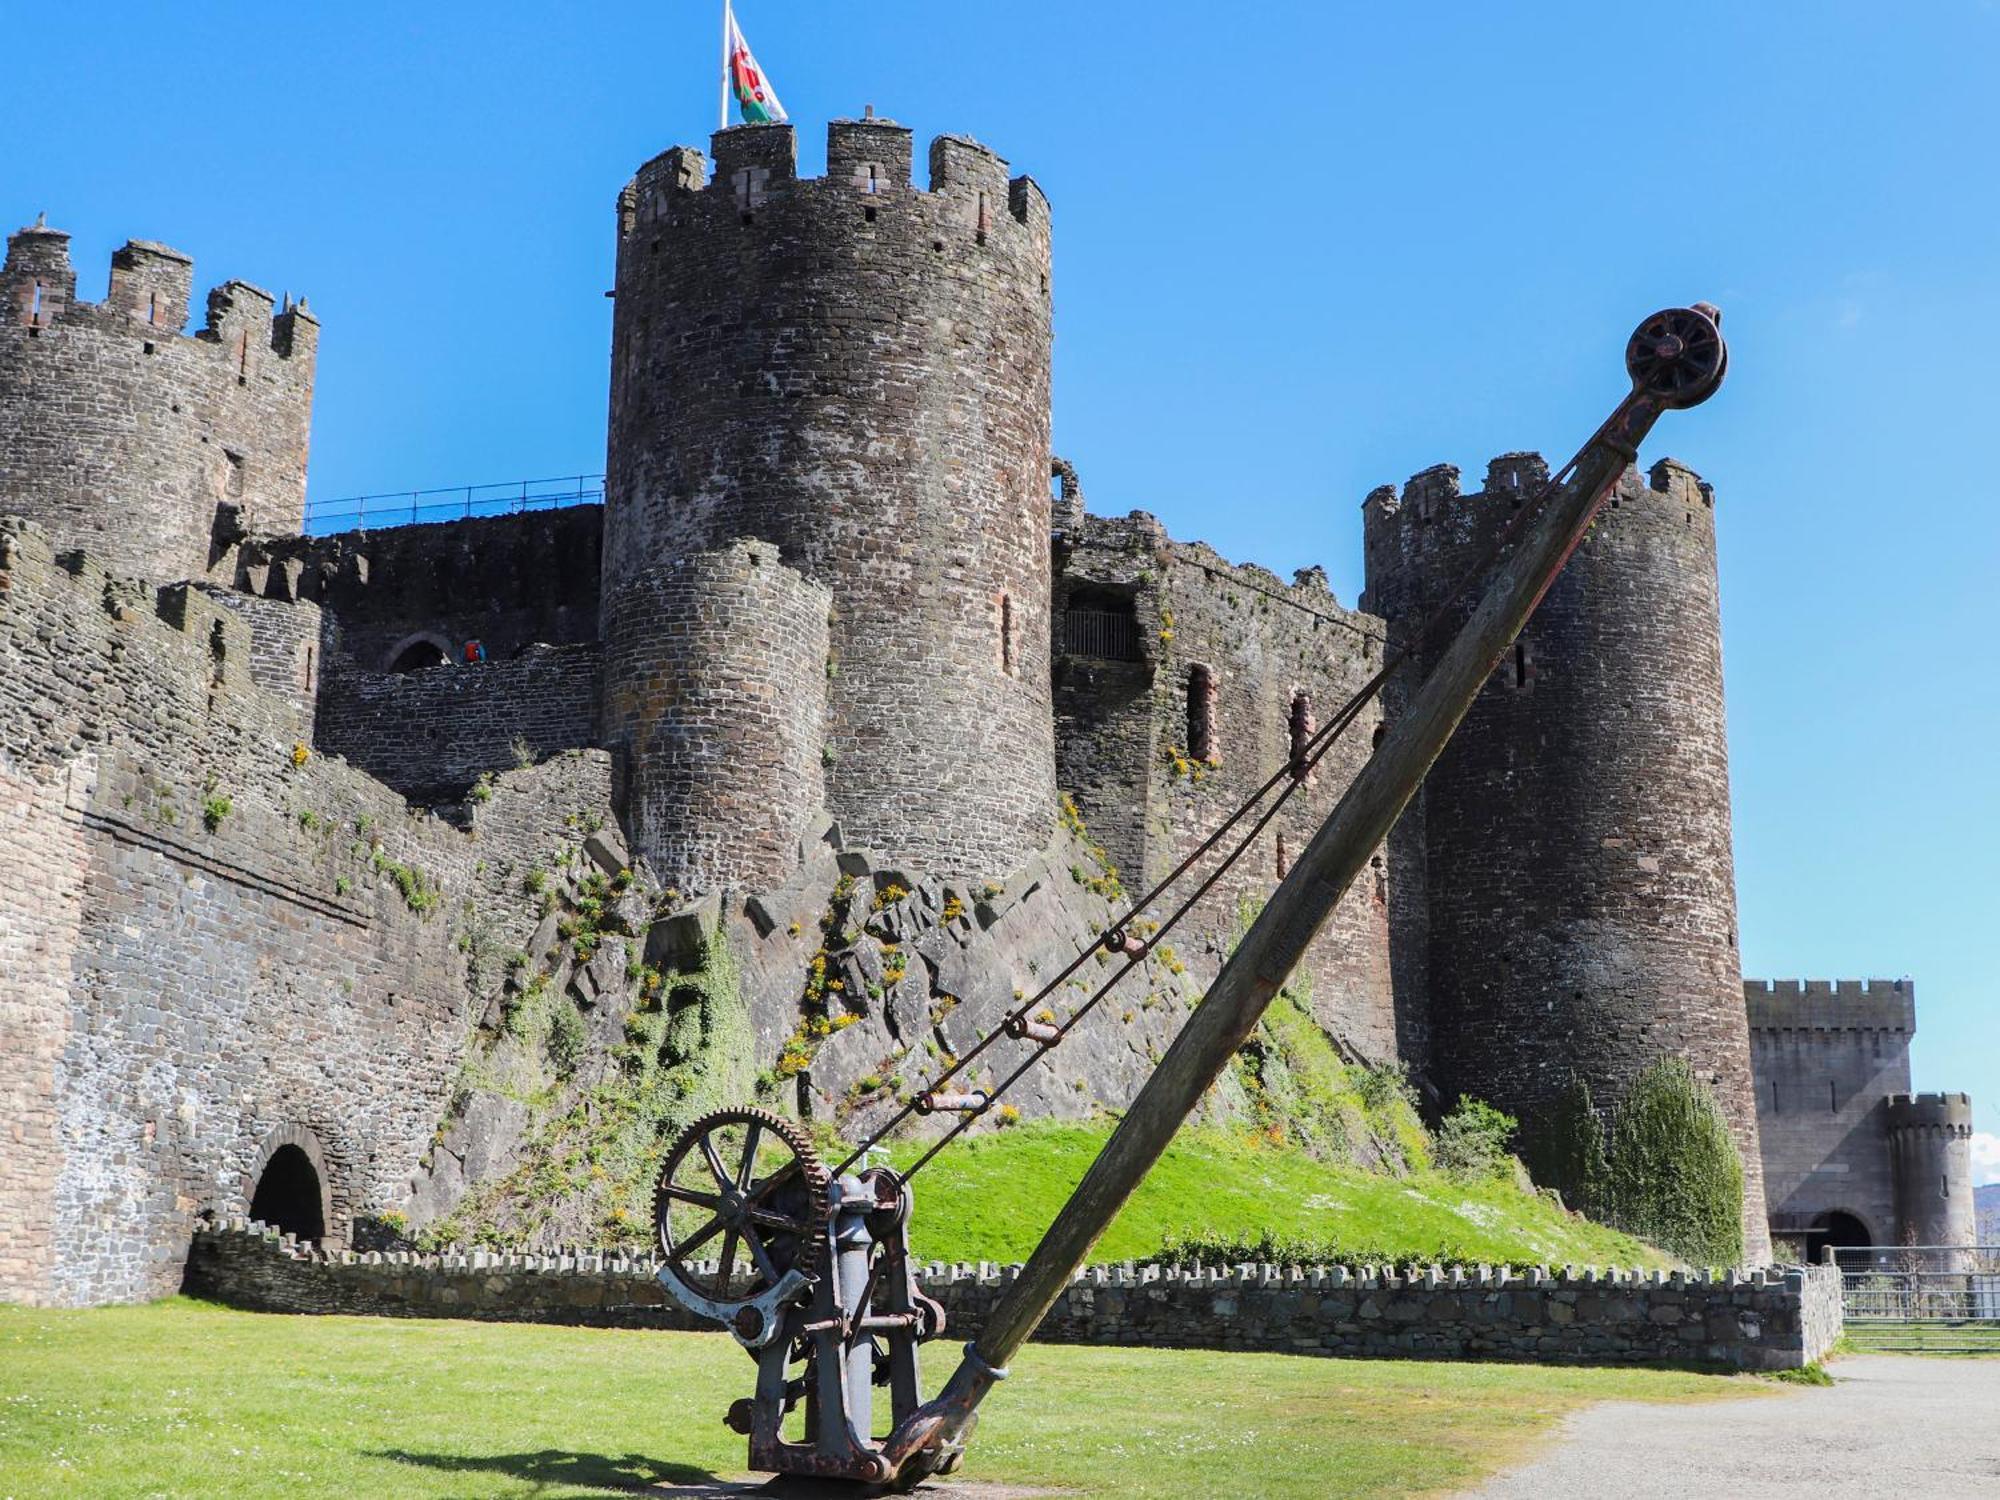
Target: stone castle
839 615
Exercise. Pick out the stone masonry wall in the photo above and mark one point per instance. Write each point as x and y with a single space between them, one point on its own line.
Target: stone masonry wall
224 937
857 372
715 692
431 734
1827 1055
1580 877
1151 796
152 450
509 582
285 647
1762 1320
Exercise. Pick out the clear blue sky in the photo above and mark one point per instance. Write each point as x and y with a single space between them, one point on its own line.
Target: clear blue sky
1302 249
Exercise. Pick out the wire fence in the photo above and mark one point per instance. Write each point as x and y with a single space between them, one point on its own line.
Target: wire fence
1941 1299
457 503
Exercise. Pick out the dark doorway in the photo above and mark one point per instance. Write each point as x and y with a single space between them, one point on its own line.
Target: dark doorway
1840 1230
418 655
288 1195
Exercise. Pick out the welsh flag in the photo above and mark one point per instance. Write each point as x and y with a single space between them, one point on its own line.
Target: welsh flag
754 94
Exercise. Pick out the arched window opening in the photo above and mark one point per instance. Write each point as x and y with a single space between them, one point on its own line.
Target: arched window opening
418 654
1100 623
1201 728
288 1195
1008 664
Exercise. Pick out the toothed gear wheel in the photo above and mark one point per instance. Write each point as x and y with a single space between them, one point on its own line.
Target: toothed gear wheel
741 1186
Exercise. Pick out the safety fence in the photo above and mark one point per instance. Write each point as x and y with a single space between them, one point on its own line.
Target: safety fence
456 503
1921 1298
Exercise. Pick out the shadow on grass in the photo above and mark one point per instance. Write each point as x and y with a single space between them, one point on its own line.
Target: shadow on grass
553 1466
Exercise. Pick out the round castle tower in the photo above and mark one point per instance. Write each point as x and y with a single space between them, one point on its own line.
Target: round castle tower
857 372
1581 886
151 450
1930 1138
715 671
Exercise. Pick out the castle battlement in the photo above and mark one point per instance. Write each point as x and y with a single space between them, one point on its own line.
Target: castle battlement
37 581
154 446
1946 1114
756 168
149 295
1430 495
1831 1005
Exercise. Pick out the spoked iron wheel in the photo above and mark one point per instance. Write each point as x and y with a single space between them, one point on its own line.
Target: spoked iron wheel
744 1189
1677 356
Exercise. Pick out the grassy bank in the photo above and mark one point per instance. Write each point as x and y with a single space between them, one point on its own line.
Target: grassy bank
183 1399
991 1197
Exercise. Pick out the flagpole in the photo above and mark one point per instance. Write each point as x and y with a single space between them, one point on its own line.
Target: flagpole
722 119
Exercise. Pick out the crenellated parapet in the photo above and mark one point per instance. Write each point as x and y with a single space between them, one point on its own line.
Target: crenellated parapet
1947 1116
1420 541
1779 1005
122 432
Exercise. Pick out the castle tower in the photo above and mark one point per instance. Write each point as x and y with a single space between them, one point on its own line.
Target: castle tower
1930 1140
857 372
715 669
120 435
1581 898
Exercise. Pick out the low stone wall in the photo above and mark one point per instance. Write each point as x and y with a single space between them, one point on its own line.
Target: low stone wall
1758 1320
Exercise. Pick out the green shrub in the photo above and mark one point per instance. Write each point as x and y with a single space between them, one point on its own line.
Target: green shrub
1674 1175
1567 1154
566 1036
1474 1138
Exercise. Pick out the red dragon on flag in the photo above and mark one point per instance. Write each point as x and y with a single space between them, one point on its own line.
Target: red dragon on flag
754 95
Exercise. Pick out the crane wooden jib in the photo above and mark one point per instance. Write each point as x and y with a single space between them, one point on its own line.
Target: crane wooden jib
827 1283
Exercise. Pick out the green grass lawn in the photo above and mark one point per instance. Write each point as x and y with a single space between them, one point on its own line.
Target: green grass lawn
185 1399
1922 1338
991 1197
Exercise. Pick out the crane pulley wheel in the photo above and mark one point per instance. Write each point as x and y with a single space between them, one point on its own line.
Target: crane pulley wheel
1677 356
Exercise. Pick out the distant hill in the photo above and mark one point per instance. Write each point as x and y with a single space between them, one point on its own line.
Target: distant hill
1988 1201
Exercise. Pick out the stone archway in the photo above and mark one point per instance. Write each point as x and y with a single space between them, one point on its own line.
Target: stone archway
1836 1229
291 1188
413 653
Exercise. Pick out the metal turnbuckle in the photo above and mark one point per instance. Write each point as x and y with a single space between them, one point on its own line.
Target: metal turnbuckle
1118 940
1027 1029
937 1102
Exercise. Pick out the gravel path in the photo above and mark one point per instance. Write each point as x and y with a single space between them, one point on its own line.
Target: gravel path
1888 1426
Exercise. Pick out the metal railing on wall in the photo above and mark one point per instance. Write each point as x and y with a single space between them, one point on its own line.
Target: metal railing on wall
1110 634
457 503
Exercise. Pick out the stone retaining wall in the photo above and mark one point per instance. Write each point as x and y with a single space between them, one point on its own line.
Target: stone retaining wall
1758 1320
